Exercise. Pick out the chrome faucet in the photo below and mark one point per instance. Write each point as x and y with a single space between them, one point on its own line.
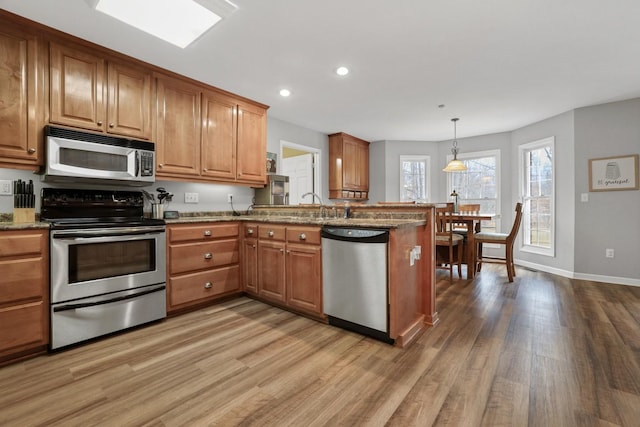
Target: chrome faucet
312 194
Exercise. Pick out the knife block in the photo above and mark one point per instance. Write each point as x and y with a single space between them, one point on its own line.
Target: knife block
24 215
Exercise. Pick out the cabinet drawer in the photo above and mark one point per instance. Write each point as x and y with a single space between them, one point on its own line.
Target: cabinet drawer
199 256
202 232
309 235
206 284
272 232
250 230
18 243
22 325
21 279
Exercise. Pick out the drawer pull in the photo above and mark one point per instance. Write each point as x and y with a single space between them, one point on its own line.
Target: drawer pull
250 231
207 233
303 236
270 233
31 150
282 251
208 285
99 122
111 125
208 255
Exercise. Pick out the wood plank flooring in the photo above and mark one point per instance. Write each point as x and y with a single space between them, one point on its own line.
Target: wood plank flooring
541 351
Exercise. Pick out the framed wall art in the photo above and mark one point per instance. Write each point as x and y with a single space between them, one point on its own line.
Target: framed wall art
614 173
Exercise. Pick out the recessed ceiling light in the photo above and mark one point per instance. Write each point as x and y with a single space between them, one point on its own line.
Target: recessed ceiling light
342 71
179 22
285 92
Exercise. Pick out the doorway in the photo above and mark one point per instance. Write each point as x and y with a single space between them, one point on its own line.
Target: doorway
302 165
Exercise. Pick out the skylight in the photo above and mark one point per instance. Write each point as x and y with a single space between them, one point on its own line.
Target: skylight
179 22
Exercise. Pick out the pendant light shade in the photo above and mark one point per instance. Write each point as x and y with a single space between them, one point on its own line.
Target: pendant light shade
455 165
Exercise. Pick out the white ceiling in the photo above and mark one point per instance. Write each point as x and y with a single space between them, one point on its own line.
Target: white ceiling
497 64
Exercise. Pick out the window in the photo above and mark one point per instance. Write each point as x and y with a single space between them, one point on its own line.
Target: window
414 171
480 183
537 191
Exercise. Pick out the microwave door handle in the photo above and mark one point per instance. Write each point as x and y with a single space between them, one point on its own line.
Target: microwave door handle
67 307
137 163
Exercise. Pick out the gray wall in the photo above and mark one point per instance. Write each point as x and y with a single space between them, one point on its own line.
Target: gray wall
278 130
610 219
562 128
377 171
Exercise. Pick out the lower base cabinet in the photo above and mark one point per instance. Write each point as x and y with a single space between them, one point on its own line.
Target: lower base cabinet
283 265
203 264
24 290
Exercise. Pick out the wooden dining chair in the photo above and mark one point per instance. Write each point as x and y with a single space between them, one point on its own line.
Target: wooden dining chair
461 227
445 237
501 239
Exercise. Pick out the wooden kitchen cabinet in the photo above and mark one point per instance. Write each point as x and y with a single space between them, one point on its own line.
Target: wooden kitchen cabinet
93 92
348 167
233 139
250 259
178 128
203 264
287 266
22 74
24 293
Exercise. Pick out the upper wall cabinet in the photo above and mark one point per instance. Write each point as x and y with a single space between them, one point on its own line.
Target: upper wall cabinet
252 144
22 65
178 128
91 92
348 167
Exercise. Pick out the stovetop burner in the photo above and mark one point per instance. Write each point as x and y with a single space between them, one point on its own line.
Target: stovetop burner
70 208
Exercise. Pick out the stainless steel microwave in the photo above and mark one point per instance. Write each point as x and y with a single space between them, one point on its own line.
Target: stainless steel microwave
73 155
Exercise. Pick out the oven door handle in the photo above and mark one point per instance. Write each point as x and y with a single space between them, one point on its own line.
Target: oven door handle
68 307
106 232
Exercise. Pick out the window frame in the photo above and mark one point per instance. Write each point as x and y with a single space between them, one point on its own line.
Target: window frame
427 174
523 151
479 154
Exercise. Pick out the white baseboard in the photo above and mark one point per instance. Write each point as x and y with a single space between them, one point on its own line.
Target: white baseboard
580 276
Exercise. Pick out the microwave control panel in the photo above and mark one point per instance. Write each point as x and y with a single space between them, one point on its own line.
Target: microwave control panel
146 163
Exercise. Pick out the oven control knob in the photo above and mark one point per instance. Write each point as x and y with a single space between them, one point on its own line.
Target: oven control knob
208 255
208 285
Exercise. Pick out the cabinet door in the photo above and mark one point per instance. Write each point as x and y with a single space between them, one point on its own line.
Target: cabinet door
129 102
350 165
77 85
178 128
252 144
363 167
20 98
250 266
304 278
271 274
218 136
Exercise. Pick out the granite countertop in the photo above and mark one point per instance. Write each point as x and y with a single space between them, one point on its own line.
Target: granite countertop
8 225
301 220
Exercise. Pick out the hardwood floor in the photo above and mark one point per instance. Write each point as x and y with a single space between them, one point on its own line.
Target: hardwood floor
541 351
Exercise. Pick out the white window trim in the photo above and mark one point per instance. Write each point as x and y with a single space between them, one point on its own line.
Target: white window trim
522 149
427 173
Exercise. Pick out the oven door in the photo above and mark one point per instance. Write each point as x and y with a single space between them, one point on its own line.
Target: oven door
90 262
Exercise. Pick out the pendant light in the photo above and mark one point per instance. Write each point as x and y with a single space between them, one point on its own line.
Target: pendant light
455 165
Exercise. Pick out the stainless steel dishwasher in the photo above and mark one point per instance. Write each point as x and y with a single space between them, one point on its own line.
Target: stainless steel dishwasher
355 280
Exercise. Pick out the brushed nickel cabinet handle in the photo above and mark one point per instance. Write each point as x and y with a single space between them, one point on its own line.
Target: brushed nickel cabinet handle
250 231
208 255
208 285
303 236
270 233
111 125
31 150
207 233
99 122
160 165
281 250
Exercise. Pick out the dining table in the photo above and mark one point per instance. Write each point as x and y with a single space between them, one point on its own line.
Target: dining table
473 223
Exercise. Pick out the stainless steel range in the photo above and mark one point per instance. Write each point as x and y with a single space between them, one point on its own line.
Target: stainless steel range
107 263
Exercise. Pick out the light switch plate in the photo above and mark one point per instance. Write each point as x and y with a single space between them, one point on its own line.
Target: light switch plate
584 197
191 197
5 187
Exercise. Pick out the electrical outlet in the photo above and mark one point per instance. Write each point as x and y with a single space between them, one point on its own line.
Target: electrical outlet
191 197
608 253
5 187
229 198
584 197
